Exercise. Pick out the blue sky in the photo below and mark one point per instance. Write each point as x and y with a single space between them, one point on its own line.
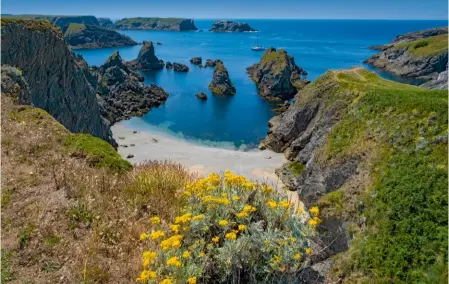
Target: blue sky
243 9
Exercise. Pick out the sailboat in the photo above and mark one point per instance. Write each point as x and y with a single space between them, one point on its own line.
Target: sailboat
257 46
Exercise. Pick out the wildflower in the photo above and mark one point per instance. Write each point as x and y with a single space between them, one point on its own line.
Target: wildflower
275 260
157 234
266 188
314 221
155 220
284 203
143 236
145 275
166 281
249 185
174 261
249 208
231 236
242 215
186 254
283 268
184 218
242 227
223 223
191 280
198 217
175 228
297 256
201 254
314 210
299 211
236 198
293 240
147 257
172 242
216 239
272 204
308 251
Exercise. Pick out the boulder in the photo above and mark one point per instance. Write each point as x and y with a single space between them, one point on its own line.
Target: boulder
168 65
210 63
221 84
178 67
201 96
14 85
230 26
146 60
277 76
196 61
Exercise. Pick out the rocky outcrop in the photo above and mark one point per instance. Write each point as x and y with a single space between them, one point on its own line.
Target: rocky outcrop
196 61
281 108
14 85
201 96
169 65
121 92
161 24
60 21
276 75
421 56
210 63
57 84
221 84
146 60
229 26
105 23
80 36
178 67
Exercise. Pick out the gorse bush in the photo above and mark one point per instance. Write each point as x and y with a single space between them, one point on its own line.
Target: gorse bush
230 230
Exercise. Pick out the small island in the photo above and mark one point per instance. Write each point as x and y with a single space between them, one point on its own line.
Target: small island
160 24
230 26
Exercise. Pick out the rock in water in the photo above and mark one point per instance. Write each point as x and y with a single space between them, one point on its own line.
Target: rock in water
196 61
229 26
168 65
146 60
88 36
201 96
56 82
210 63
178 67
420 56
276 75
221 84
121 92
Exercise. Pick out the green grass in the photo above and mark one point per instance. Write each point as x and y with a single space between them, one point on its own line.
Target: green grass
97 152
426 47
279 58
405 127
141 21
6 274
74 27
38 25
297 167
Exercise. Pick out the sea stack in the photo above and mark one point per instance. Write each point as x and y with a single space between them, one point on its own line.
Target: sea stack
277 76
229 26
146 60
221 84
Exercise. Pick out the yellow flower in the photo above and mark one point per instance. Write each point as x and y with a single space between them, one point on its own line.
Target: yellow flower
186 254
235 198
272 204
308 251
156 235
297 256
174 261
216 239
249 208
284 203
184 218
242 215
166 281
242 227
145 275
267 188
300 211
191 280
147 257
143 236
275 260
314 221
314 210
223 223
175 228
293 240
201 254
198 217
155 220
172 242
231 236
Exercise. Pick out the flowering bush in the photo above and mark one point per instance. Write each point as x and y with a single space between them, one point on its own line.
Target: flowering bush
230 230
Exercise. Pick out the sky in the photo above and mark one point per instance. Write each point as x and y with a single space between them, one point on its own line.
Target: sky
237 9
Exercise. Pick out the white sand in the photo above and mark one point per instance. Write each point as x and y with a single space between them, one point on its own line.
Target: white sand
201 159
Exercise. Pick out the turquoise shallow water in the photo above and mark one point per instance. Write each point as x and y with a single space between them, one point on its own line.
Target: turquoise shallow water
317 45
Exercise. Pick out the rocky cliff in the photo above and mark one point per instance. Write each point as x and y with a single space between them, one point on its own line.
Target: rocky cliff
162 24
59 21
359 148
121 92
105 23
229 26
146 60
276 75
57 84
87 36
422 56
221 83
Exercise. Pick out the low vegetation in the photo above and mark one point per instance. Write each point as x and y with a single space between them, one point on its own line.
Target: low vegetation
141 21
39 25
74 27
426 47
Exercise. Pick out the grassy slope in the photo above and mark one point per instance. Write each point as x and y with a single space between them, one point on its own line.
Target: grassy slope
401 133
426 47
39 25
147 21
73 28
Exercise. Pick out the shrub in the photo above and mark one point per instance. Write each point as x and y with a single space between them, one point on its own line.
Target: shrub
230 230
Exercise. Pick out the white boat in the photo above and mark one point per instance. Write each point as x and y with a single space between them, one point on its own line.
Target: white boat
257 46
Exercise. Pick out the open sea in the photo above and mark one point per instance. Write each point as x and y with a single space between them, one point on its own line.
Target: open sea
241 121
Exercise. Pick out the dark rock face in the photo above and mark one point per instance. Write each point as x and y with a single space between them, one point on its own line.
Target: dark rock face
210 63
105 23
168 65
276 75
87 36
178 67
146 60
281 108
397 58
161 24
201 96
57 84
221 84
121 92
229 26
196 61
14 85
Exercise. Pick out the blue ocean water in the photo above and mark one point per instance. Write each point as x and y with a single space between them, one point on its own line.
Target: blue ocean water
241 121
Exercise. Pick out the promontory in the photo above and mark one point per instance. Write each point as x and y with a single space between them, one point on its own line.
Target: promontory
161 24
